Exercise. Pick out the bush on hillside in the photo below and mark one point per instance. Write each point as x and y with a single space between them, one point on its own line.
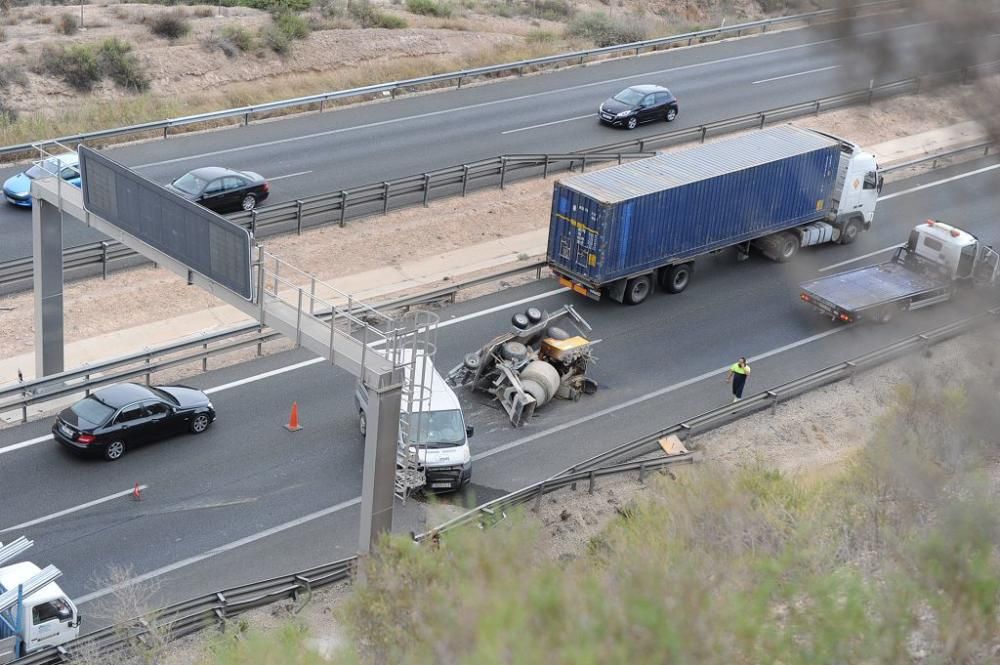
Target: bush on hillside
76 64
429 8
12 74
169 25
67 25
120 64
369 16
603 30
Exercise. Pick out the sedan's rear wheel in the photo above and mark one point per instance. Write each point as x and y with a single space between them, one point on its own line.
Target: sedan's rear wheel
200 423
114 451
249 202
632 122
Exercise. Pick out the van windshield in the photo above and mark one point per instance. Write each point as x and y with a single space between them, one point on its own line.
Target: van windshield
437 429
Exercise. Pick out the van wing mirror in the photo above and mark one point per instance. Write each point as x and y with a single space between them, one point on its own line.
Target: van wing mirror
469 431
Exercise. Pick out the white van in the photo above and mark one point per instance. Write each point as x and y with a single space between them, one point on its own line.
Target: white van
49 617
442 437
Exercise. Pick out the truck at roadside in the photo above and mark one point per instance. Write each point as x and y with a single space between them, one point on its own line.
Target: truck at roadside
35 613
937 262
618 231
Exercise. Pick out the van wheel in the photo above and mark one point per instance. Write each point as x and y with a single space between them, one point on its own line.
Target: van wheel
114 451
637 289
676 278
362 423
787 247
851 231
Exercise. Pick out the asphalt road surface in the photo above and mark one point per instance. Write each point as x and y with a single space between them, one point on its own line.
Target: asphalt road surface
554 112
249 500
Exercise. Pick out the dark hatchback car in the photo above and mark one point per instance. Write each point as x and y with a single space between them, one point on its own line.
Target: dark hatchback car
115 418
639 104
220 189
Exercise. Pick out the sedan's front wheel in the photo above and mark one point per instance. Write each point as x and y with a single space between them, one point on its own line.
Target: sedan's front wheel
671 114
200 423
114 451
249 202
632 122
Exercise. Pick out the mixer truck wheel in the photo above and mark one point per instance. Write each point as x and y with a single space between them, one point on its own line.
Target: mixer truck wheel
545 376
637 289
676 278
850 232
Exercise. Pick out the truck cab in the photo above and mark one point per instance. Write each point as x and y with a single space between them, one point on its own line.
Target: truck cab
432 425
953 253
860 185
48 617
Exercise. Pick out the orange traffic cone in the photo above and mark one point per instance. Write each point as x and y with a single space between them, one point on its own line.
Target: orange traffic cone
136 493
293 421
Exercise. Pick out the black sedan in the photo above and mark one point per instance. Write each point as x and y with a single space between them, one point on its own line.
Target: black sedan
221 190
115 418
638 104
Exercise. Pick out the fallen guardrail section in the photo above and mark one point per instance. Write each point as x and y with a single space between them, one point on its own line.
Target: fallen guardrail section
244 114
379 198
216 608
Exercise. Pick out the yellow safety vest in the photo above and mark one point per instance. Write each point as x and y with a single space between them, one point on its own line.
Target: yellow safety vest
736 369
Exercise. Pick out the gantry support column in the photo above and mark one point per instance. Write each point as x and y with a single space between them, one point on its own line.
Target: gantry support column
378 481
47 240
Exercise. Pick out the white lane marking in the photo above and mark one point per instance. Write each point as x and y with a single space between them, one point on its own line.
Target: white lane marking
859 258
357 500
547 124
74 509
222 549
25 444
430 114
263 375
656 393
939 182
290 175
788 76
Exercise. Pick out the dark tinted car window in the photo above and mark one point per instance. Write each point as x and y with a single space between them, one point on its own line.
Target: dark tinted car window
189 183
629 96
92 410
662 98
214 187
232 182
156 408
129 414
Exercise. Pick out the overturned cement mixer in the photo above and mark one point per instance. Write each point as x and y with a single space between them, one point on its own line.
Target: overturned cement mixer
532 364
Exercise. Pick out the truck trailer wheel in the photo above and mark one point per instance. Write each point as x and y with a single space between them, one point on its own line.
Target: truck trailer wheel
637 289
676 278
851 231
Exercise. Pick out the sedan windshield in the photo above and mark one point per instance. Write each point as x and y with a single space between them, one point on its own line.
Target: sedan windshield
437 429
92 410
629 96
189 183
46 168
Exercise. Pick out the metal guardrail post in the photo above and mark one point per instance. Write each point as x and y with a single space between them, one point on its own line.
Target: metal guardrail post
298 321
298 216
763 119
427 188
538 497
593 483
816 112
385 197
704 132
148 373
642 472
104 259
246 118
465 179
503 171
460 82
253 222
545 168
343 207
852 370
583 164
312 296
774 402
204 361
260 345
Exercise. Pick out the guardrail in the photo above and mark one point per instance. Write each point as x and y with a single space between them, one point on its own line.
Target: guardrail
392 89
382 197
20 396
213 609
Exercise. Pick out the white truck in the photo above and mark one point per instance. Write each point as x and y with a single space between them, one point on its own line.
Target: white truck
936 262
34 611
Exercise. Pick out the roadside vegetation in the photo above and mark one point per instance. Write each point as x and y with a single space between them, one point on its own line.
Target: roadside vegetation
893 557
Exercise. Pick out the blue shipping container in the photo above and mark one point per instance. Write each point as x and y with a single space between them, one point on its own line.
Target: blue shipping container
632 218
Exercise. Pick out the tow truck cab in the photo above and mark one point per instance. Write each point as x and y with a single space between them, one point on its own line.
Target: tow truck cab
953 252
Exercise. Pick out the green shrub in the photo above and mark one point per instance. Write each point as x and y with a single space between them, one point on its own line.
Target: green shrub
67 25
203 12
11 74
371 17
118 63
8 114
240 37
539 37
3 34
169 25
293 25
429 8
551 10
276 40
76 64
604 30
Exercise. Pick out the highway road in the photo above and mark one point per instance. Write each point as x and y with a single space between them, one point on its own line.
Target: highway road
249 500
554 112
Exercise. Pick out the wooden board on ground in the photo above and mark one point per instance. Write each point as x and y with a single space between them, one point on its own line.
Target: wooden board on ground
672 445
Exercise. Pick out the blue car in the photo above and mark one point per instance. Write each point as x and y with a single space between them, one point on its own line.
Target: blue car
17 188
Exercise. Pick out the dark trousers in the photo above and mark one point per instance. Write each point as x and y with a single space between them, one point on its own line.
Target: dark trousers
739 381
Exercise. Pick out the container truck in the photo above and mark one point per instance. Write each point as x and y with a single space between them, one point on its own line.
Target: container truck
34 611
617 231
937 261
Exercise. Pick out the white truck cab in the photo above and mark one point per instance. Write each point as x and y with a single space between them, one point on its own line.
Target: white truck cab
45 618
956 254
861 184
435 422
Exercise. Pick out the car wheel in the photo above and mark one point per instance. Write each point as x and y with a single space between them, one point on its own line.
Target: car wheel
114 451
249 202
632 122
362 423
850 231
637 289
671 114
200 423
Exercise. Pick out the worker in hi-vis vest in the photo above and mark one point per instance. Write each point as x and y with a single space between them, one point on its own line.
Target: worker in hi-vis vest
739 372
